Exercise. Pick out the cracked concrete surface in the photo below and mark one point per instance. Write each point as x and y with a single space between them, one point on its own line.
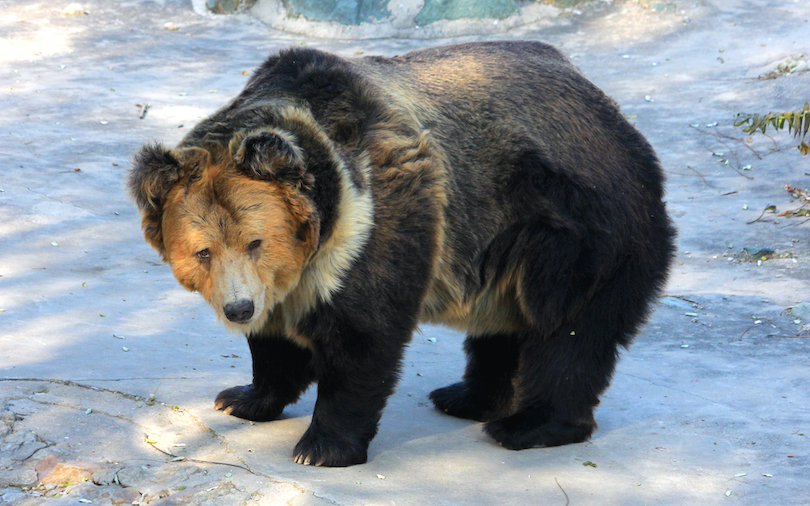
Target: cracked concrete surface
707 407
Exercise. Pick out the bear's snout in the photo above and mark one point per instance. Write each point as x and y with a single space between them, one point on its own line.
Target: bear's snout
240 311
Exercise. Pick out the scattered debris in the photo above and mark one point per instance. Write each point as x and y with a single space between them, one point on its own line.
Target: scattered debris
803 196
74 9
786 66
142 108
759 253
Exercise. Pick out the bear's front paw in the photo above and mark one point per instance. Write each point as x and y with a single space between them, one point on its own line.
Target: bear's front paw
318 449
457 400
248 403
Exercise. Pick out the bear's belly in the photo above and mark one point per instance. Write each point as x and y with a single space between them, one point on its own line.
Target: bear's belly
492 310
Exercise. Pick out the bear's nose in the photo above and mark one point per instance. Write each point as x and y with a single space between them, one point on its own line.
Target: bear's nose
240 311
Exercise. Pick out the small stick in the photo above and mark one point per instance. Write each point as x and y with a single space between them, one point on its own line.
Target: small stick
760 216
717 138
701 176
721 134
567 501
746 330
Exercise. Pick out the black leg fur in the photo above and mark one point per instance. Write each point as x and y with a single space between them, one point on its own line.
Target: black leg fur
282 371
356 374
580 316
486 391
560 379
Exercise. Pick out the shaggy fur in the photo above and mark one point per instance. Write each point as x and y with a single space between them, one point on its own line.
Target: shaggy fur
334 204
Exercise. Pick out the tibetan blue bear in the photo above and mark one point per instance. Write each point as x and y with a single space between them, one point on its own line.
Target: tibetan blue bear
336 203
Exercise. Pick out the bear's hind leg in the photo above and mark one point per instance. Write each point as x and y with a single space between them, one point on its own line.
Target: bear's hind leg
559 380
568 351
282 371
486 391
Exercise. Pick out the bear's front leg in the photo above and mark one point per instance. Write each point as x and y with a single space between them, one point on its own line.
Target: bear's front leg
282 371
354 382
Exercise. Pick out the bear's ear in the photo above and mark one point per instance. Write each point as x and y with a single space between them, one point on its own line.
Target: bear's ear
270 155
155 170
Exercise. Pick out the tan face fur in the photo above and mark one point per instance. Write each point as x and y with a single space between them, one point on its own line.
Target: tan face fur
237 240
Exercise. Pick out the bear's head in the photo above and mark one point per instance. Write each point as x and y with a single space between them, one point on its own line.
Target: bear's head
232 222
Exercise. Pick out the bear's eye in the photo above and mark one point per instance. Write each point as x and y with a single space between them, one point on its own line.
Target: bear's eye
204 254
255 244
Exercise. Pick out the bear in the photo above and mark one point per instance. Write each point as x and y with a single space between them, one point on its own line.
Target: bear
336 203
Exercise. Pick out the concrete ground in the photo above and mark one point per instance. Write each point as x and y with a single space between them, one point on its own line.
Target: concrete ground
710 406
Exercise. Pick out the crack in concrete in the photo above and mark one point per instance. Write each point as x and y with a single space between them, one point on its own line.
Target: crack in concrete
70 383
54 199
747 413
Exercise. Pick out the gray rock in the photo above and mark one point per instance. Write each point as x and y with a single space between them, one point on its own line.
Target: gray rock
223 494
759 252
134 476
802 311
345 12
228 6
20 477
96 495
21 445
11 496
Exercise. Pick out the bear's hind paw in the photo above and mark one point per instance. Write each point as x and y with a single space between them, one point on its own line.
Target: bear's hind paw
457 400
517 432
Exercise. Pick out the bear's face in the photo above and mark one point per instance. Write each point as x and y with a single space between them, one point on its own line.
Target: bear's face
238 236
234 240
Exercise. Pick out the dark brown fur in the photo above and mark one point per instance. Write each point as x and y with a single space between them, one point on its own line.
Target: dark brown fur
336 203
